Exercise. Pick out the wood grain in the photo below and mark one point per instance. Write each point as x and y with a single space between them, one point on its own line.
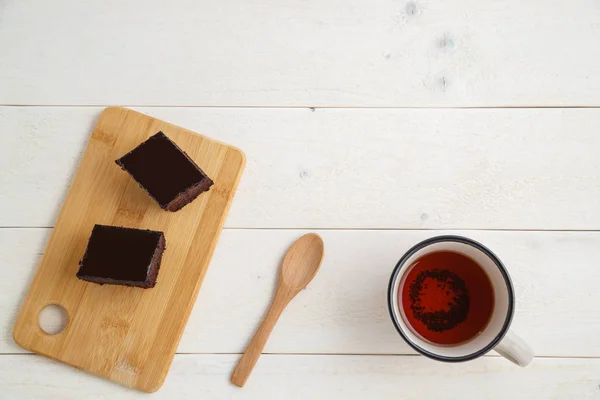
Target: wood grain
335 168
348 168
128 335
408 53
204 377
343 311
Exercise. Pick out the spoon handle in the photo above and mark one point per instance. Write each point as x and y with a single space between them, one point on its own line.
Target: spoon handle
253 351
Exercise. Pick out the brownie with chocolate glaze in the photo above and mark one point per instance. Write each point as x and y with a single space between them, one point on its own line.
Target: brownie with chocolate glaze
165 172
122 256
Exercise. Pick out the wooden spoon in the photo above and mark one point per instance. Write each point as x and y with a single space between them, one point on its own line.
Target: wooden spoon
299 266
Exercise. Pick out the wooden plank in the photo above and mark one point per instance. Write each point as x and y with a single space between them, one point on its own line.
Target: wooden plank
348 168
318 377
344 308
125 334
300 53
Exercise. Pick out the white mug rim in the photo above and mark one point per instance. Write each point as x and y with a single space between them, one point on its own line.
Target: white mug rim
467 241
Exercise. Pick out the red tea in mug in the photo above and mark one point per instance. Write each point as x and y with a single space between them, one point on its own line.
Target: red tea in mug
446 298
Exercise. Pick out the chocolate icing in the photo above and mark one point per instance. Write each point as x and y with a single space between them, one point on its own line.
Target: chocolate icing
165 172
122 256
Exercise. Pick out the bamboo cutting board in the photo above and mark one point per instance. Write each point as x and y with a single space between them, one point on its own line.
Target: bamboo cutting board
128 335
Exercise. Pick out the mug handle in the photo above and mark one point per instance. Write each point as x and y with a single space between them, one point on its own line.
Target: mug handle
514 349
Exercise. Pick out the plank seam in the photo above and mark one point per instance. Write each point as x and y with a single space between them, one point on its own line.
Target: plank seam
302 107
338 355
370 229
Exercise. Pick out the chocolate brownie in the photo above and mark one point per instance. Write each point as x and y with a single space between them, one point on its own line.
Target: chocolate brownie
166 172
122 256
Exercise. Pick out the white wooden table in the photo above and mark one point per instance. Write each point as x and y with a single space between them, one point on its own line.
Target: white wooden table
374 123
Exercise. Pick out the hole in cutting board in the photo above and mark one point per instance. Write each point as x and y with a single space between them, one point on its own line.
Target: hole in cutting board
53 319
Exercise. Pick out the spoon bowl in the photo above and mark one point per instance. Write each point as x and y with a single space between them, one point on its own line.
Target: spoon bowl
301 262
